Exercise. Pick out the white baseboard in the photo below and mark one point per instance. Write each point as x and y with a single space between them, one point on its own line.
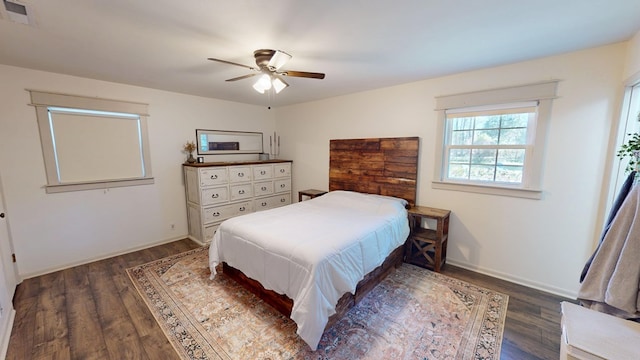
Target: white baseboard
102 257
198 241
514 279
5 331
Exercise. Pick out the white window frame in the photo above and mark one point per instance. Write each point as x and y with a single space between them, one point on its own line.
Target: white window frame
43 101
627 123
531 187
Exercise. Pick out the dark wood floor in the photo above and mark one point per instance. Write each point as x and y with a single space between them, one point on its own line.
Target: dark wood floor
532 328
94 312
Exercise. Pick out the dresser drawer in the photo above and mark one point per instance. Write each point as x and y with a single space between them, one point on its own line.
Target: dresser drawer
209 231
272 202
223 212
282 170
215 195
213 176
239 174
263 188
262 172
283 185
241 191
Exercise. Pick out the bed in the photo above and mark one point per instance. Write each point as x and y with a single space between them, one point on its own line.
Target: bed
317 258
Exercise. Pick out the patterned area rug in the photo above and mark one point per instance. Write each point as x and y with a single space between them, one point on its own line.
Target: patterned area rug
413 314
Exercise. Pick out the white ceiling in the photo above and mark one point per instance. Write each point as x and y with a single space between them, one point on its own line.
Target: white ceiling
359 44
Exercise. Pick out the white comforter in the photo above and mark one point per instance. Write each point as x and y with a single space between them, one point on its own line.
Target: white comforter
313 251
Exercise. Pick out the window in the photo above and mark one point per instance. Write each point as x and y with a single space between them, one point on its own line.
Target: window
488 146
90 143
492 139
628 124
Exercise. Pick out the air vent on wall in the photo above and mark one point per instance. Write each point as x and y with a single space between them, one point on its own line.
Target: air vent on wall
17 12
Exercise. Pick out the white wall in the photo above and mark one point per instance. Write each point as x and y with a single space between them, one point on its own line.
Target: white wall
53 231
541 243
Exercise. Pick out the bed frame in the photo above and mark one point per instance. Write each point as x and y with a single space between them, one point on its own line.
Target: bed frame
383 166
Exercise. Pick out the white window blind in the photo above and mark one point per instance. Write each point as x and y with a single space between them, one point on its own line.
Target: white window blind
96 145
92 143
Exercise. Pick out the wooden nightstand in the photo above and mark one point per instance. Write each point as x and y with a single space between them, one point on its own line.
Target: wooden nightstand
311 193
427 247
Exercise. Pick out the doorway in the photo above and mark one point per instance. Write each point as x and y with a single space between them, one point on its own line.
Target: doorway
8 278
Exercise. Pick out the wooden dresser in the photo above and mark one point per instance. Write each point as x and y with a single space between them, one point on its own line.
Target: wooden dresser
219 191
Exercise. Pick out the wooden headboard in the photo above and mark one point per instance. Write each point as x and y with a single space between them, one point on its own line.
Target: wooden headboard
384 166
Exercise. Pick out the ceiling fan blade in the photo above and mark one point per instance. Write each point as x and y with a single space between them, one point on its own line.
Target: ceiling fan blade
242 77
232 63
303 74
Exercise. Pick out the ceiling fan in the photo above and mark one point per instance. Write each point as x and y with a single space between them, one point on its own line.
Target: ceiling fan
269 63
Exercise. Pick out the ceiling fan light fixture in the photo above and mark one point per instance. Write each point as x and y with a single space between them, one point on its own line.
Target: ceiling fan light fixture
263 84
279 85
269 76
258 88
278 59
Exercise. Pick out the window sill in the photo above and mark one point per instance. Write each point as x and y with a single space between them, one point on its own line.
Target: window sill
489 190
51 189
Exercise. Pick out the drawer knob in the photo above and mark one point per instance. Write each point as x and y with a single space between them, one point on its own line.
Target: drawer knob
282 186
241 191
264 188
240 174
242 208
264 204
216 214
283 200
262 172
213 177
215 196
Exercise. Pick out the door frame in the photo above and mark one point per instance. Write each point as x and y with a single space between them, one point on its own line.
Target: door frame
8 278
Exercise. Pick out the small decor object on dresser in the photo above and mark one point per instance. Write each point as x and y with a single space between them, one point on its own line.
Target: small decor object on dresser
427 247
189 148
